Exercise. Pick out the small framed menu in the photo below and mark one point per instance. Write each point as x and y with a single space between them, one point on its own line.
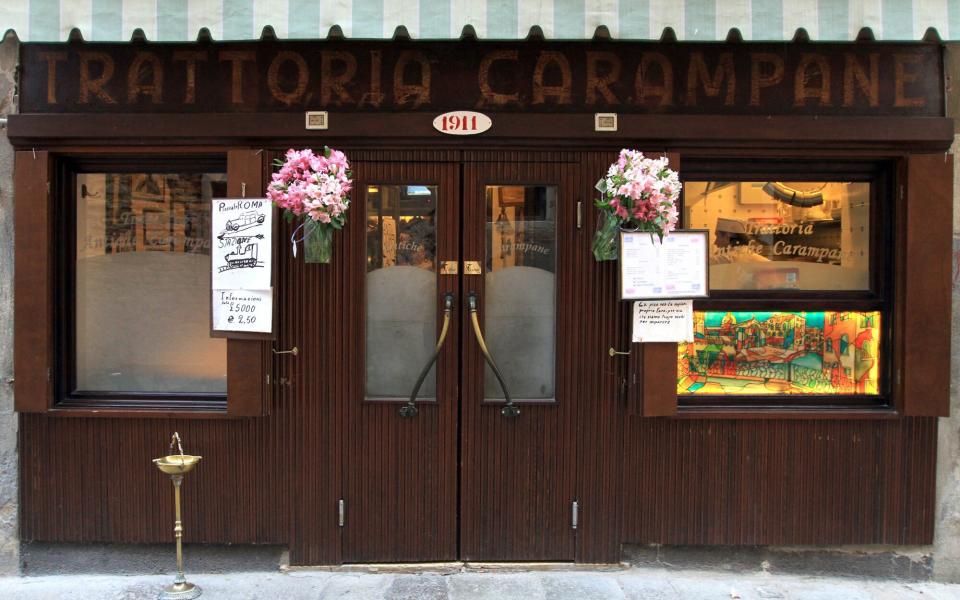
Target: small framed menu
677 267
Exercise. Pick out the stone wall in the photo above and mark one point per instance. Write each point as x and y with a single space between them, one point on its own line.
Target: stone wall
9 544
946 550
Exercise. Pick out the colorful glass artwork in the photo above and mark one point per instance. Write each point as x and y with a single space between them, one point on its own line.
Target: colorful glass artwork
755 353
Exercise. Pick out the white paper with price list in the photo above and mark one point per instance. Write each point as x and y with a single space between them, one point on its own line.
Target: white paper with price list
243 310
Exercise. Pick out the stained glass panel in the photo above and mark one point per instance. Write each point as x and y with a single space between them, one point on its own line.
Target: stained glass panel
754 353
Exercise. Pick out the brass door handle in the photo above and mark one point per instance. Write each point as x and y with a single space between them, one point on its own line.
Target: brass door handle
613 352
410 408
510 410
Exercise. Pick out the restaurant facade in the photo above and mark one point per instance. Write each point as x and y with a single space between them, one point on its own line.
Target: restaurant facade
369 424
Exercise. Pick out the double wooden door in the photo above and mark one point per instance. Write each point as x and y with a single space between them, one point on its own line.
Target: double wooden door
466 265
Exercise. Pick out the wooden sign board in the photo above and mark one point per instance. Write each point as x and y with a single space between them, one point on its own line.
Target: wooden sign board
241 268
677 267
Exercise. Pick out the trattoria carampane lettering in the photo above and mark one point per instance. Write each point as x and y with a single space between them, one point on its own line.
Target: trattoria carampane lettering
628 77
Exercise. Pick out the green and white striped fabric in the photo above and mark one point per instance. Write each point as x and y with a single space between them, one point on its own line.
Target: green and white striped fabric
180 20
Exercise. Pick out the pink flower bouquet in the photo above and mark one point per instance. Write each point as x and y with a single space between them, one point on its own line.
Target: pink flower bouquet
638 194
315 189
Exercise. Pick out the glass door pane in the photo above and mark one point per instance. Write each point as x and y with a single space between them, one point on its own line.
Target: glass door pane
401 286
520 289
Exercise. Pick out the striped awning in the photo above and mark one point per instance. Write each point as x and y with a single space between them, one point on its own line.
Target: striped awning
700 20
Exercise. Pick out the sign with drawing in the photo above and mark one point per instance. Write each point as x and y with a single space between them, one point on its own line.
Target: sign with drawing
242 241
241 265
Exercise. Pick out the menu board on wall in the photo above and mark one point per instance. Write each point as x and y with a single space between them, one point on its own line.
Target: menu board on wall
676 267
241 266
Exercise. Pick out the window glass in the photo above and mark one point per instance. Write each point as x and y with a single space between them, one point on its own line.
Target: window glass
401 289
783 235
520 289
143 283
755 353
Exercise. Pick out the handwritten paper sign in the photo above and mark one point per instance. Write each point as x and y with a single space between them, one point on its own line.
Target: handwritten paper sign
674 268
243 310
663 321
241 266
242 243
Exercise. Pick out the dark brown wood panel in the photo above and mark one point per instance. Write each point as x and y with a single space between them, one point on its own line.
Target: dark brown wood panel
518 476
603 322
276 479
926 307
690 482
91 480
400 474
248 361
403 130
33 294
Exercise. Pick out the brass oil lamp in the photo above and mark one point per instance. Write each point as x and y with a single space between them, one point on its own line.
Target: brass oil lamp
176 466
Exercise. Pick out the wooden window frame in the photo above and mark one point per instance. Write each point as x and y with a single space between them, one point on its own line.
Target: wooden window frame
45 253
878 296
916 296
64 214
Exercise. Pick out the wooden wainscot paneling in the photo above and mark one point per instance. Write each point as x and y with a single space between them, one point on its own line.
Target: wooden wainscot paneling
33 326
925 370
763 482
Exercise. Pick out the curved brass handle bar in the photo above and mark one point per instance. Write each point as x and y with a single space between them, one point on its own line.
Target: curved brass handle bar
510 410
410 408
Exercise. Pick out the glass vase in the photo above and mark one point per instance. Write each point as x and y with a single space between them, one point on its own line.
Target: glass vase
317 242
606 240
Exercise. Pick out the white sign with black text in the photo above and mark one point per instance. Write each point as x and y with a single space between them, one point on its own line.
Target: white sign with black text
242 243
248 311
663 321
676 267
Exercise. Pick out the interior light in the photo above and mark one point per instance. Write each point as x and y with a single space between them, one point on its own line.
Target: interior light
794 196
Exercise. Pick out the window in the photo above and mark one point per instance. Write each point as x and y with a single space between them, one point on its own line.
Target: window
401 289
136 284
800 284
520 288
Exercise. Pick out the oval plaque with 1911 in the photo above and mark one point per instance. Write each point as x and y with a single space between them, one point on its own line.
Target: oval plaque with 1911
462 122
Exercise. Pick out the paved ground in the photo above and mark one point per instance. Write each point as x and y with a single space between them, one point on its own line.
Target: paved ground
630 584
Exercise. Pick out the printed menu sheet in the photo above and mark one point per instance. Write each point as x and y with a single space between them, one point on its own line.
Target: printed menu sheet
674 268
663 321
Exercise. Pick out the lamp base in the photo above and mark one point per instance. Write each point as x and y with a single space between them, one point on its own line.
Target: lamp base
180 591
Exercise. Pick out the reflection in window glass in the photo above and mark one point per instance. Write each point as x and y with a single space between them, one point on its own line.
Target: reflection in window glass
783 235
757 353
401 289
520 289
143 283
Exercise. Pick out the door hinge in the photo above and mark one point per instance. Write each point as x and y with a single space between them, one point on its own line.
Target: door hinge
574 514
579 214
901 193
49 373
341 512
